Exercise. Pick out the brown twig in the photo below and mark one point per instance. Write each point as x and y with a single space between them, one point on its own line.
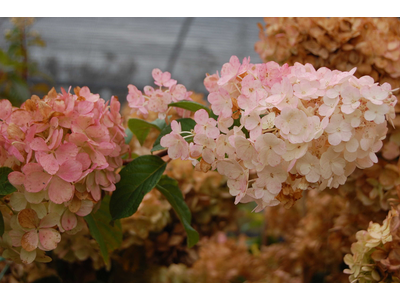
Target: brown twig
1 200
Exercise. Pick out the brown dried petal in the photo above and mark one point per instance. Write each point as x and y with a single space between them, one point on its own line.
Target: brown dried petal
30 240
28 218
75 205
14 131
379 255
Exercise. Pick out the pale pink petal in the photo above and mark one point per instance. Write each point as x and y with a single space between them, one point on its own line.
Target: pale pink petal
195 150
176 127
208 155
101 178
85 92
106 148
48 162
86 208
56 138
273 159
98 158
81 123
98 133
85 107
109 188
36 181
5 109
168 140
213 132
31 167
49 238
20 117
70 171
84 159
60 191
38 144
274 186
229 70
96 192
16 178
69 220
66 152
201 116
334 139
78 139
30 240
15 152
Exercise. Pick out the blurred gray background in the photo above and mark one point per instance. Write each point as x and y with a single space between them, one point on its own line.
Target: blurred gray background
107 54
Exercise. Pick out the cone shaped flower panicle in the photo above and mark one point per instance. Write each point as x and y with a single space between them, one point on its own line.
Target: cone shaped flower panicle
280 130
64 150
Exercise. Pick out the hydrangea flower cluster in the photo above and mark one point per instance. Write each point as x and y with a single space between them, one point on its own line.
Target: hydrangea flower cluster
157 100
370 44
281 130
64 150
368 249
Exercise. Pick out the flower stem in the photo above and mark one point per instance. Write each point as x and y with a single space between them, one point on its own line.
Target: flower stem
6 204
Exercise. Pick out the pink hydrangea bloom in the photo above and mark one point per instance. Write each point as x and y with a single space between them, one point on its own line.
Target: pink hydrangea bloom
157 100
288 126
65 150
176 144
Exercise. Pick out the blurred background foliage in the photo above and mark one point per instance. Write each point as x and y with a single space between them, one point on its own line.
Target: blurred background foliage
15 65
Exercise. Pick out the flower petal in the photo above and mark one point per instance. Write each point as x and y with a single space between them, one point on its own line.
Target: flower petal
49 238
16 178
86 208
66 152
30 240
70 171
69 220
38 144
60 191
18 201
50 220
36 181
27 257
28 218
48 162
34 198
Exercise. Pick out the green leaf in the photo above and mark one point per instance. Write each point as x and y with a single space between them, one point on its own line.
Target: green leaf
1 224
129 136
187 125
169 188
5 186
160 123
108 237
190 105
138 178
141 128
